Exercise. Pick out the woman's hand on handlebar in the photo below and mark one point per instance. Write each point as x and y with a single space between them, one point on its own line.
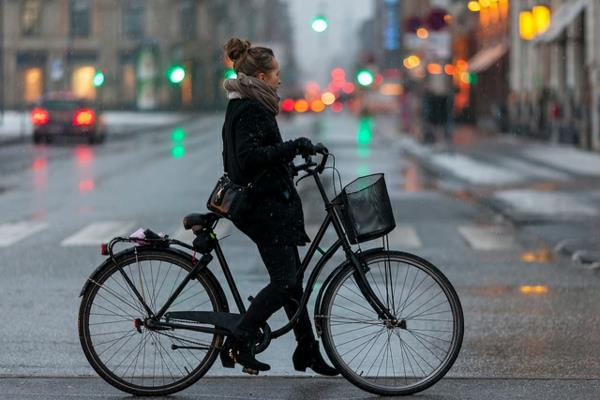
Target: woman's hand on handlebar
304 147
318 148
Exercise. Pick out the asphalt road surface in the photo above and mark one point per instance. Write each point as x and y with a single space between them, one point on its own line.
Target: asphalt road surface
531 321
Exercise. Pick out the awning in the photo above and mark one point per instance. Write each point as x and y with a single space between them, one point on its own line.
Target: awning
487 57
564 15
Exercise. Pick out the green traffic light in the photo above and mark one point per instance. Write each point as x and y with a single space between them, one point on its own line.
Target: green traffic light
98 79
230 74
320 24
176 74
365 77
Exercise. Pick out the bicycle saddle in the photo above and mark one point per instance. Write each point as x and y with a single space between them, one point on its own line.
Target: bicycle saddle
200 220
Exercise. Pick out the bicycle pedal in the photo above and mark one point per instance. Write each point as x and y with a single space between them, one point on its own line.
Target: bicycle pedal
250 371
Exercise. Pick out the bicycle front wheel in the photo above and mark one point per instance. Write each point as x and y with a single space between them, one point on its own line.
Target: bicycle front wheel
408 353
117 343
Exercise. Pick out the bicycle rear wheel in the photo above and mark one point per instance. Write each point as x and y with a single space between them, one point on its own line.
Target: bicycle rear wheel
113 336
400 356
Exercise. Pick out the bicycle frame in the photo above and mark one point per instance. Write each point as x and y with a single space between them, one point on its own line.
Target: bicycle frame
332 217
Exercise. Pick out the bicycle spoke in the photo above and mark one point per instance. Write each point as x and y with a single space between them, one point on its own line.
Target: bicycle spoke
358 304
371 337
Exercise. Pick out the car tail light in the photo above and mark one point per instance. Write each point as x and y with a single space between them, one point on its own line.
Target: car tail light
287 105
39 116
104 249
84 117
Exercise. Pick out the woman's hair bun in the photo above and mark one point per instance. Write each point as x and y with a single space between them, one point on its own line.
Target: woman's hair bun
236 48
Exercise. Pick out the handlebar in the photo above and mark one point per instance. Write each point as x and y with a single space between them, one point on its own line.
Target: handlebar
308 163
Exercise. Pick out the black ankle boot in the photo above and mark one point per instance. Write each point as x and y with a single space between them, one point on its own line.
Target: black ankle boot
239 351
307 355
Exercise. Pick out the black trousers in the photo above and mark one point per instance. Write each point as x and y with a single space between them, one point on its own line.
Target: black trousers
284 290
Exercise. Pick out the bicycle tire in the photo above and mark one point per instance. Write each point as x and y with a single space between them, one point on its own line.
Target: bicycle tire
99 288
414 335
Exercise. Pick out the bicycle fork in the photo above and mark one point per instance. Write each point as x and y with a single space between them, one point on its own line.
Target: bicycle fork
382 311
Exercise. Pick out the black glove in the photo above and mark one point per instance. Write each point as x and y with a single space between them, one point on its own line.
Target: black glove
304 147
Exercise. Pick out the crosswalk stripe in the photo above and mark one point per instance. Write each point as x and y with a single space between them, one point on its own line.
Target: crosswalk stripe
487 237
550 204
224 227
403 236
98 232
476 172
11 233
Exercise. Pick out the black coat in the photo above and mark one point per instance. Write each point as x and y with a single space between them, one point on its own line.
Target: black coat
253 151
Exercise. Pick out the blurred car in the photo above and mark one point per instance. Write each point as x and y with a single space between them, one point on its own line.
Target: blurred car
62 114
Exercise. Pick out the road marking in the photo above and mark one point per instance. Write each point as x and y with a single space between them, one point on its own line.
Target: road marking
487 237
548 204
11 233
99 232
224 227
474 171
402 237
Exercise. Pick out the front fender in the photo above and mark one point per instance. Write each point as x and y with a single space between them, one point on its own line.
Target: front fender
334 273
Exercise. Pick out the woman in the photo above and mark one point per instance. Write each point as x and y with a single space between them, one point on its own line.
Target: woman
253 152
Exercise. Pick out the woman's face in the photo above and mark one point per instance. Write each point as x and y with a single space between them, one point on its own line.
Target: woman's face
271 78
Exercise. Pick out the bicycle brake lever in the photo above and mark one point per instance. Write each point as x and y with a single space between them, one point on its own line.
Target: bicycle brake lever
299 179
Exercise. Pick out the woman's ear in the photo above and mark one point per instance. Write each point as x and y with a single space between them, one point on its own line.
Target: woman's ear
262 76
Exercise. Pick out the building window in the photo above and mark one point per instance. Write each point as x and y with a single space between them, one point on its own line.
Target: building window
81 81
80 18
133 19
30 17
187 12
33 84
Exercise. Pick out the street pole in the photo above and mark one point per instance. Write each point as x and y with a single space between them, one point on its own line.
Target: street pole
2 61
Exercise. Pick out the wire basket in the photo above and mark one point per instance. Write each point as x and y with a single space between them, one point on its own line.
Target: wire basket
366 209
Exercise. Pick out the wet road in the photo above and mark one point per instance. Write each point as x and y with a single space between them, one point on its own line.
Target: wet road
527 315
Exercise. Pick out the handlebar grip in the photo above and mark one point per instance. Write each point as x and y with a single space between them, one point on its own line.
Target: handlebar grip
320 148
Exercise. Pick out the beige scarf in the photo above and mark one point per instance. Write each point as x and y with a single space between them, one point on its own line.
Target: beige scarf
254 88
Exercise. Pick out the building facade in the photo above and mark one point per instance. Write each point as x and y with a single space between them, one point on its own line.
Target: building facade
50 45
555 76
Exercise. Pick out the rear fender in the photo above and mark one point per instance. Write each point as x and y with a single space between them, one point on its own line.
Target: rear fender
124 254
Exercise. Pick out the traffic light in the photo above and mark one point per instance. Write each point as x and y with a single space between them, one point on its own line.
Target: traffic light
320 24
176 74
365 78
98 79
230 74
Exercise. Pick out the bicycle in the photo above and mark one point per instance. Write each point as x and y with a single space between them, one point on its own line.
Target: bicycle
153 317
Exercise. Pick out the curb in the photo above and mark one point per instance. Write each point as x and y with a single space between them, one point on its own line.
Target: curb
589 259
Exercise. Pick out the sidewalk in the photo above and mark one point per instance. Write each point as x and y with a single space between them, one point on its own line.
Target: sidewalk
549 190
15 126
